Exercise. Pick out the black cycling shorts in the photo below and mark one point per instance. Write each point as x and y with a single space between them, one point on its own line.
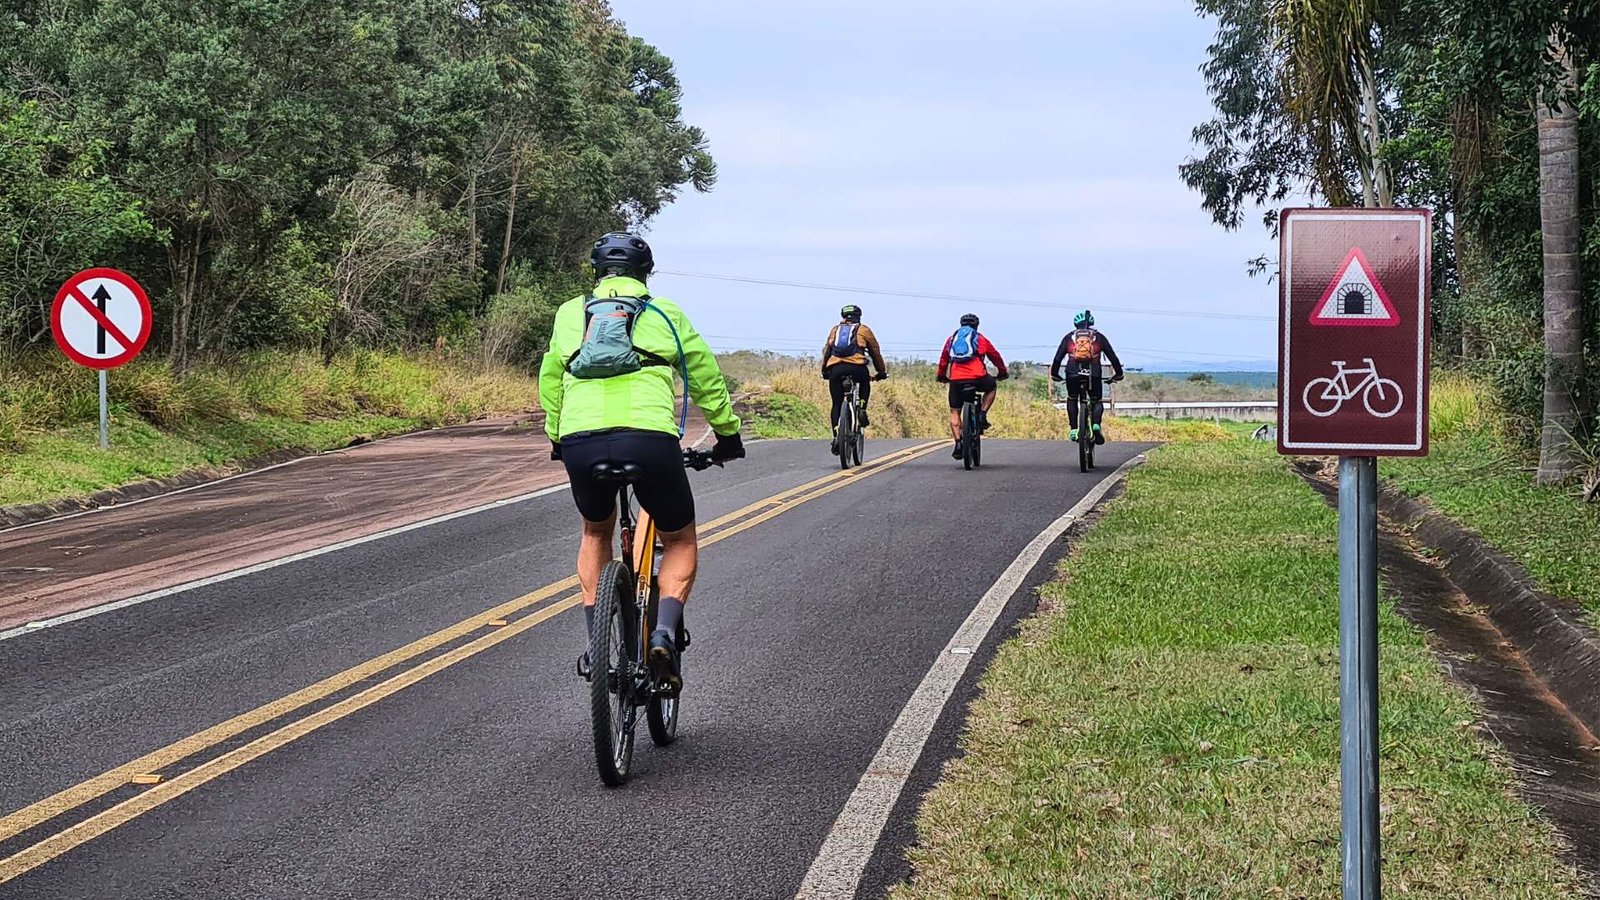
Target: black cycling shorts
1074 373
662 489
958 389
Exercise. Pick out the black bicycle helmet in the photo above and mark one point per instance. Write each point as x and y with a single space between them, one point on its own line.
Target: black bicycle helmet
621 250
851 313
970 319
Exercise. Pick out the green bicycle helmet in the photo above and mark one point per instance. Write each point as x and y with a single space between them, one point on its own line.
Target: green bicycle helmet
1084 319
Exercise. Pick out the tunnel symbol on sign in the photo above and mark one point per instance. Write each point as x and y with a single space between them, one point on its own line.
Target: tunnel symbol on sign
1355 297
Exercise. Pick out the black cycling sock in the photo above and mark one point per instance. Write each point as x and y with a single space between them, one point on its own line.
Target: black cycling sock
588 620
670 614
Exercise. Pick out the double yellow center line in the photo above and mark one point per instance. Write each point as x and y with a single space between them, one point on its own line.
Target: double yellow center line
174 784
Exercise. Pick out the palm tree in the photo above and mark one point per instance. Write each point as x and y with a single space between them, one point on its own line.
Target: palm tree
1330 89
1557 116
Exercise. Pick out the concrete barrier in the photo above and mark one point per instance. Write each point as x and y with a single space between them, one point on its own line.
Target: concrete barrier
1233 410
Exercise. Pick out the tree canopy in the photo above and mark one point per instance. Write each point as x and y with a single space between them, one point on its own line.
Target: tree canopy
294 173
1444 104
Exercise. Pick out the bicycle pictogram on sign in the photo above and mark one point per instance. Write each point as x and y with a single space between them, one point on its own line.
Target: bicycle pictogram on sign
1325 396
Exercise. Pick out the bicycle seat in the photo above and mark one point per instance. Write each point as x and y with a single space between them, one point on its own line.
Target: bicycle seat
616 473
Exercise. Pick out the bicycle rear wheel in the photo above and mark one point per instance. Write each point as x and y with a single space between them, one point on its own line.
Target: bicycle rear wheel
969 434
860 446
611 652
1085 439
661 712
846 434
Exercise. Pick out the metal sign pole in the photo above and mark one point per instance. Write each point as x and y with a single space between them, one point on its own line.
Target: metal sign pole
1358 673
105 431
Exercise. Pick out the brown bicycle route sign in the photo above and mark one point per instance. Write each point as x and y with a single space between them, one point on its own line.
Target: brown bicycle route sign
1354 331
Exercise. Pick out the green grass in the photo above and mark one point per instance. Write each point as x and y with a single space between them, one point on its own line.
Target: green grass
220 414
1474 478
1169 726
1479 478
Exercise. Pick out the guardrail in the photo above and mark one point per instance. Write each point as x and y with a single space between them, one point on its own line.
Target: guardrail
1234 410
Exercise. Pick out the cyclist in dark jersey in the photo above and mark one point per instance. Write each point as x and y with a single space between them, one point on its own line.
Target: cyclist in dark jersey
1081 349
845 353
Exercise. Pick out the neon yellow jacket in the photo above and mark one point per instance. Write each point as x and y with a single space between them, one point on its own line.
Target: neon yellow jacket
642 399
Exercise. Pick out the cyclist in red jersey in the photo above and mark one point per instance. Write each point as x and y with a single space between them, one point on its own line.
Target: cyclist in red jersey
961 365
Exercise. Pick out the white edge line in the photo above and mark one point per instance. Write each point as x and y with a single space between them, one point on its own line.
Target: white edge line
34 627
835 874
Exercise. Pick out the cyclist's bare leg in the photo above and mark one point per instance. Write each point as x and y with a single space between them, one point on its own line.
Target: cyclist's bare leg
988 400
595 549
955 424
680 562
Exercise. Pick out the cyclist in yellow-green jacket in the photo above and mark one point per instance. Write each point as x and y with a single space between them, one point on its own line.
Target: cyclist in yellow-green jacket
606 386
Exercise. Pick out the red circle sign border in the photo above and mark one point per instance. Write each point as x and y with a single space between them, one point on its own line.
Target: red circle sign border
139 340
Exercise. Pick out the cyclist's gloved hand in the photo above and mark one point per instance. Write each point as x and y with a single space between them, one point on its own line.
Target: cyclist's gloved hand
944 379
881 376
1002 376
555 449
728 446
1117 377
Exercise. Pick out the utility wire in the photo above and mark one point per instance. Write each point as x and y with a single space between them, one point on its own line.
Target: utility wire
959 298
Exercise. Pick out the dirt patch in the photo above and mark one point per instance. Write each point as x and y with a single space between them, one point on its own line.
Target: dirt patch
1530 662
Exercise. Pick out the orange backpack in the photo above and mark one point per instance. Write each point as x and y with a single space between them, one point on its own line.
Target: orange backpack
1085 345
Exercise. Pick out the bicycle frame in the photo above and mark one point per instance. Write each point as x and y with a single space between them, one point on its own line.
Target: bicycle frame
1341 376
639 548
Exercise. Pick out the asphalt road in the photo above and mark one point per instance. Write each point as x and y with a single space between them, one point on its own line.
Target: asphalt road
814 620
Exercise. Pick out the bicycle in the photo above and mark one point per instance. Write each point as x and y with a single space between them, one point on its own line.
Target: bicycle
626 599
1338 389
971 434
848 437
1085 379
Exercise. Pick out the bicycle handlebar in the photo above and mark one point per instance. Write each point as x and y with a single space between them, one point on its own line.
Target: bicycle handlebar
699 460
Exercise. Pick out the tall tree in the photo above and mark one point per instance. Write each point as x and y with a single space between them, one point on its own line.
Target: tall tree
1557 116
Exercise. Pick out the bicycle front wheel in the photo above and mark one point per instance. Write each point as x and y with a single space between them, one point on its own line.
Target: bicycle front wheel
611 643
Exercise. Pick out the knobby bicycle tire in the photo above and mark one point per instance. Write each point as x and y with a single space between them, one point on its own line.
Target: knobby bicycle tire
847 434
1085 439
661 713
611 681
969 435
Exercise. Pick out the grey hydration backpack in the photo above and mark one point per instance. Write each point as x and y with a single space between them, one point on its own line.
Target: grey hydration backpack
607 349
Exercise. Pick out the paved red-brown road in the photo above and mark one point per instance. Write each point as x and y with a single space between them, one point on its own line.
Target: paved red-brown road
74 563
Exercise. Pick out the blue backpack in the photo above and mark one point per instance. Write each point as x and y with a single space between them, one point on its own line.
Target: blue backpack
964 346
844 341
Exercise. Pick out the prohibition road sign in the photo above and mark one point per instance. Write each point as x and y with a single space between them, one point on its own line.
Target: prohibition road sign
101 318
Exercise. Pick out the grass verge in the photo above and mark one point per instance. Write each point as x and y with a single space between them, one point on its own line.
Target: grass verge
224 413
1478 477
1168 727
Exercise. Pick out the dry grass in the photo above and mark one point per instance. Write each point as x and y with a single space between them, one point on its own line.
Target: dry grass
911 404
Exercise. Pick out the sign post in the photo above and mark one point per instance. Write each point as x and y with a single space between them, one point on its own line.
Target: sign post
101 320
1353 382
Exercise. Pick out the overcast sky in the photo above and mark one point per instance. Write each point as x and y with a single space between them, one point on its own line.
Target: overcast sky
1022 151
